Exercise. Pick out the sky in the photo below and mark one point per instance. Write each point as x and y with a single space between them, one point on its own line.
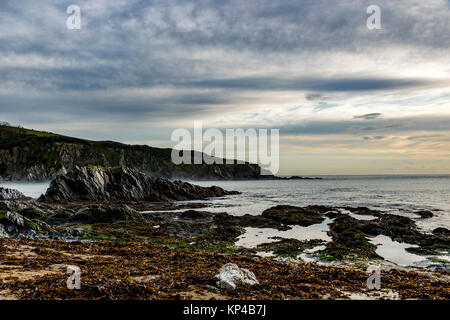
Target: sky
346 99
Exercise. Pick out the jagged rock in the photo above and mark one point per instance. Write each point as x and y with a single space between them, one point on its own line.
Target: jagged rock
4 205
12 205
13 224
11 194
123 184
230 276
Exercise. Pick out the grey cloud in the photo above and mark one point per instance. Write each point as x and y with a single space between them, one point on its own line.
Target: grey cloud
369 116
315 84
380 128
315 97
385 126
374 138
425 137
145 44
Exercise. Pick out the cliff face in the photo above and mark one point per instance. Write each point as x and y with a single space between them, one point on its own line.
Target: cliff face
34 155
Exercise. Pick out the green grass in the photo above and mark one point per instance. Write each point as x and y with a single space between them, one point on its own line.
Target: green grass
40 133
33 213
64 214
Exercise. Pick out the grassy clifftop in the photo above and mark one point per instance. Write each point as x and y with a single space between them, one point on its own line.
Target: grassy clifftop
27 154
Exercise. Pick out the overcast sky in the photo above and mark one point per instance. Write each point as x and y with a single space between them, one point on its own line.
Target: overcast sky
347 100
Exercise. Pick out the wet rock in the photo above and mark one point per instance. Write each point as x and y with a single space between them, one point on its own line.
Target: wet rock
350 243
33 213
11 194
441 231
363 211
349 239
290 215
113 213
13 224
350 236
334 214
230 276
255 222
201 231
15 205
424 214
4 205
196 215
123 184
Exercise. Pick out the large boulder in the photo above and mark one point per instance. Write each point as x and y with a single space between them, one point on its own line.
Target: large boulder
123 184
424 214
291 215
230 276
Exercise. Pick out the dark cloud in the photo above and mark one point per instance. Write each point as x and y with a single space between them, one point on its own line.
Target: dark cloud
374 138
369 116
380 128
315 84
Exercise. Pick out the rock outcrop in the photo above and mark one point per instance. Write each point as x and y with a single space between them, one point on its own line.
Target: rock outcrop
123 184
14 224
11 194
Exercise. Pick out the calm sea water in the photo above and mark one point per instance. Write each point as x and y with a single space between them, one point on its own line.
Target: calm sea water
393 194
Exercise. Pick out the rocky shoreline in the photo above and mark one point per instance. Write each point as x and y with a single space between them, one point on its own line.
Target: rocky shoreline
94 216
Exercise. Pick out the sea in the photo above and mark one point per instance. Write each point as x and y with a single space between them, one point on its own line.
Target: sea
396 194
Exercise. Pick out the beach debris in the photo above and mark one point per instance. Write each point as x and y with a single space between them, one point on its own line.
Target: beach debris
230 276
